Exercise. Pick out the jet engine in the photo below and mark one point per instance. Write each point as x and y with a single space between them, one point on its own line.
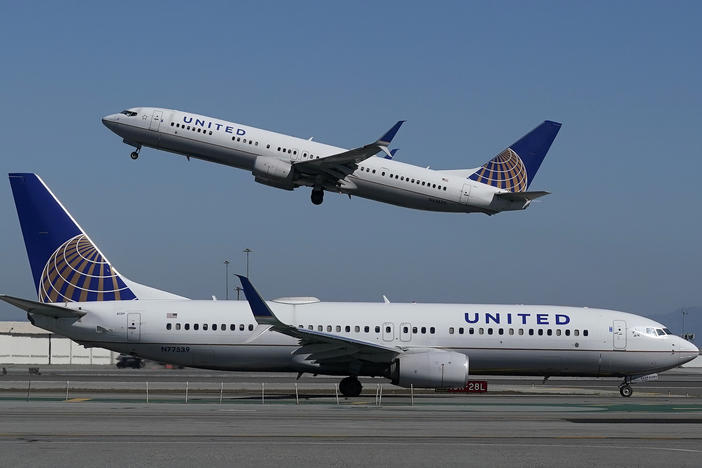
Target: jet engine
274 172
433 369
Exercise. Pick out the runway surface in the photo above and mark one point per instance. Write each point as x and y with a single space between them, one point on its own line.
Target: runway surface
520 422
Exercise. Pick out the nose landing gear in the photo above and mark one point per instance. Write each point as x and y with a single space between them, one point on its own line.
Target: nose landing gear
350 386
134 155
317 196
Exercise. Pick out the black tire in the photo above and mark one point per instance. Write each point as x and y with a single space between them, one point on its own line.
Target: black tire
134 155
317 197
626 391
350 387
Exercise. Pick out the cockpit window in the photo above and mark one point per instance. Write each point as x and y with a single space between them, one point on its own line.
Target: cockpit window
128 113
660 332
667 332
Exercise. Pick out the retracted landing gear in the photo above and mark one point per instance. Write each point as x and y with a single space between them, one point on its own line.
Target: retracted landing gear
317 196
625 389
350 386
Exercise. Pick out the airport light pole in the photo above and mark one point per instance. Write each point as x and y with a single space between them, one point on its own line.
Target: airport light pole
247 251
238 291
226 275
684 313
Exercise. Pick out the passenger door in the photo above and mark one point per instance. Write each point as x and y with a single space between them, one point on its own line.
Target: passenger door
156 120
465 193
133 327
619 333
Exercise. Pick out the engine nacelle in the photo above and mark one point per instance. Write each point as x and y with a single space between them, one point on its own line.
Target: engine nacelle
432 369
274 172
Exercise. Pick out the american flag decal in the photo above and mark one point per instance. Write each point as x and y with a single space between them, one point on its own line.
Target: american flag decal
171 315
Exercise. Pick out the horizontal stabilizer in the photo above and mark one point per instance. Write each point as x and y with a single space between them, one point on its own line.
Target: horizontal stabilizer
521 196
40 308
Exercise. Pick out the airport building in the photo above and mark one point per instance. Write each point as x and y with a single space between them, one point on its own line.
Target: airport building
23 343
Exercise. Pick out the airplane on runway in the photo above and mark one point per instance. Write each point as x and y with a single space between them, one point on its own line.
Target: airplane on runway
288 162
82 296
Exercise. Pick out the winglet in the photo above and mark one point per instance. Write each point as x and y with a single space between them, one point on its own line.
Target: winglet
390 134
392 153
262 313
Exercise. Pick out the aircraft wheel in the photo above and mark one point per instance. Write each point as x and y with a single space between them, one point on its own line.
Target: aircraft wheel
350 387
317 197
626 391
134 155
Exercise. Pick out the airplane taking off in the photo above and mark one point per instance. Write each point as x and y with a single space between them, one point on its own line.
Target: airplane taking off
288 162
83 297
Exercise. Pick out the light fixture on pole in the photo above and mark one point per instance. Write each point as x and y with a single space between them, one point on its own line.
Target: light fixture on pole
247 252
226 275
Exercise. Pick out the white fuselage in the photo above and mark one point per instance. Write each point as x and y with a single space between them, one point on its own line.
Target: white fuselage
498 339
238 145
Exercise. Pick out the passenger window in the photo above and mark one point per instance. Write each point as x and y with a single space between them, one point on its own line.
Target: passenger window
223 327
567 332
251 327
501 331
432 330
521 331
424 330
187 326
172 124
377 329
388 329
373 171
531 331
241 327
471 331
511 331
357 329
232 327
329 328
320 328
489 331
383 174
584 332
168 326
338 328
576 332
450 331
481 331
204 326
177 326
268 146
366 329
558 332
541 331
310 327
214 327
549 332
414 330
196 326
460 331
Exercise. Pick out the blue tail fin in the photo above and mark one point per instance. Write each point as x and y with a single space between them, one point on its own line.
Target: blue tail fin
515 168
66 264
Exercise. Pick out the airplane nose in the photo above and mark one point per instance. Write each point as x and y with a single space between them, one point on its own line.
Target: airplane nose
109 121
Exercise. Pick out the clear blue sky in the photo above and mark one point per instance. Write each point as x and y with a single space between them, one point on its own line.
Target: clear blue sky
621 229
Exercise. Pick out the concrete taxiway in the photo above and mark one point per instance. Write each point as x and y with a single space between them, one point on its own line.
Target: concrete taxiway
523 422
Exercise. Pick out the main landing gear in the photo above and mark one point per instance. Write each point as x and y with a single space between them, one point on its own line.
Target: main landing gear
317 196
134 155
625 389
350 386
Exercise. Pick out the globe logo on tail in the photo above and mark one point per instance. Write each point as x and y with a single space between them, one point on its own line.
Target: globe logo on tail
505 171
77 272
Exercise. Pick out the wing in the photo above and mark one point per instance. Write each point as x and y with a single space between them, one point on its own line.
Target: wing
40 308
338 166
320 347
